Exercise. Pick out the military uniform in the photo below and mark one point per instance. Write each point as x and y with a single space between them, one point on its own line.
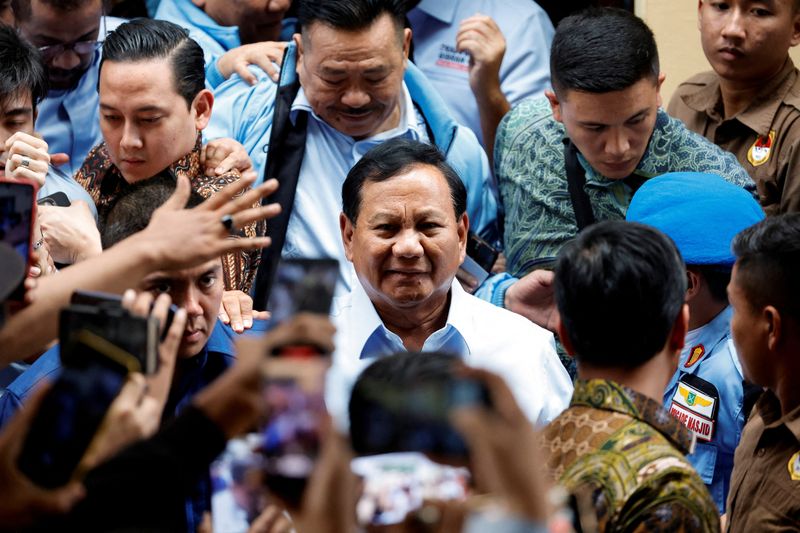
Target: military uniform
706 394
765 137
765 486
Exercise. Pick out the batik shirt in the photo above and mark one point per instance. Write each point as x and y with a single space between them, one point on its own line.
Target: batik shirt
628 452
532 180
105 184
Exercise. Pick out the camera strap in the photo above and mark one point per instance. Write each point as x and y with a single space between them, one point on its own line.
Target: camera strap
576 179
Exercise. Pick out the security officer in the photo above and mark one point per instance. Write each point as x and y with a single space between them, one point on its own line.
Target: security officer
750 103
702 213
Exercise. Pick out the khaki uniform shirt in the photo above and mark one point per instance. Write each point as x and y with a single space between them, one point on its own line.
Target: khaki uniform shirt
765 484
765 137
627 451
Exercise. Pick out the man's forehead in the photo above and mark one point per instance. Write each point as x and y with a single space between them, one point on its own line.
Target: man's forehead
21 100
148 80
47 22
185 274
382 35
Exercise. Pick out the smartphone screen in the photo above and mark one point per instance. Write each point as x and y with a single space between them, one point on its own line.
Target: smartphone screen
303 285
16 223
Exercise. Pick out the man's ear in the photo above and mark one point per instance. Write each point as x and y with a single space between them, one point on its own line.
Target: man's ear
347 228
563 336
462 227
774 325
298 42
406 43
677 337
659 83
795 29
202 105
555 105
699 15
693 286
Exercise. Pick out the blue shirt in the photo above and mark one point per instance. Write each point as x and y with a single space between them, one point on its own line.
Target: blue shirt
212 37
709 354
524 72
68 119
195 374
58 181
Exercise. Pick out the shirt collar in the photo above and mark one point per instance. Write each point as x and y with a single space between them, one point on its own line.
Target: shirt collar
369 327
758 116
610 396
444 11
769 407
226 36
712 332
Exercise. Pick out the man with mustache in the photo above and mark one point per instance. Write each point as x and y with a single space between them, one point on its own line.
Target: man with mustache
750 103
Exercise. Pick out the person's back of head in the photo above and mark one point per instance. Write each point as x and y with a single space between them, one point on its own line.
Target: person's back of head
148 39
600 50
21 69
620 289
349 15
131 213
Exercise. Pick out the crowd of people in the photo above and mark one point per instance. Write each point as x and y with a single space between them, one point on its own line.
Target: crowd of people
526 296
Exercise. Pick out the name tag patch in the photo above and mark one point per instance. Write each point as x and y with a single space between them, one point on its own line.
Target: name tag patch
451 58
794 467
695 405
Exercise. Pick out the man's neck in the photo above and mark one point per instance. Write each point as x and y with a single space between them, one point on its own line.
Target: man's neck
414 326
650 379
786 385
738 95
703 312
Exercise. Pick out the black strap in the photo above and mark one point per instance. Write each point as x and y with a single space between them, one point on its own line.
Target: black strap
576 179
287 144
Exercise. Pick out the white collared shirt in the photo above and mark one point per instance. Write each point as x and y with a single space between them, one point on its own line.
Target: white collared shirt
485 336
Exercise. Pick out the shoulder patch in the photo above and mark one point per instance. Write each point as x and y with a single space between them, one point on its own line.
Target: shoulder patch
760 151
696 353
794 467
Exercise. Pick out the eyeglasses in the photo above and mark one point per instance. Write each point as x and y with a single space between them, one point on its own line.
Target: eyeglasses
81 48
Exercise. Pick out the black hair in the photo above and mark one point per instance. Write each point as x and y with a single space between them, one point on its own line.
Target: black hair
132 211
620 287
394 157
146 39
768 262
716 277
22 8
600 50
350 15
21 68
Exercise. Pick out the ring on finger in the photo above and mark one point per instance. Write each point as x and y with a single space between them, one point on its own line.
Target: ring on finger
227 221
25 162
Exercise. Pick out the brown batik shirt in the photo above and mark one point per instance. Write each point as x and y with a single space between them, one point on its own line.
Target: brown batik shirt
765 137
765 484
104 183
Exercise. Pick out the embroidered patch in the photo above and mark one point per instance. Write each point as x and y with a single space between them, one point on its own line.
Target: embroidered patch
794 467
695 405
694 355
759 152
449 57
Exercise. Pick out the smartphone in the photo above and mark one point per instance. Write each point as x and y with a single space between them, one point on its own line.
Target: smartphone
102 299
385 418
396 484
17 216
107 319
303 285
72 411
57 199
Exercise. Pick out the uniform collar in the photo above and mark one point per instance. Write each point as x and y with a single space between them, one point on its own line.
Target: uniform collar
769 408
369 323
712 332
225 36
610 396
444 11
759 115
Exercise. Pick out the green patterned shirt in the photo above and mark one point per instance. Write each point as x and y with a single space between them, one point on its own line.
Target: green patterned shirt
628 452
531 178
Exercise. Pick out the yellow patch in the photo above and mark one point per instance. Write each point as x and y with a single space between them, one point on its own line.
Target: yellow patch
794 467
760 151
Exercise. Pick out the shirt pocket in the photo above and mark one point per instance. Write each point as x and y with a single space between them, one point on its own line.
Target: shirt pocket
704 460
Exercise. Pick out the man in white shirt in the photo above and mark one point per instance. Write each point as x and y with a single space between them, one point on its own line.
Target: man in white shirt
404 227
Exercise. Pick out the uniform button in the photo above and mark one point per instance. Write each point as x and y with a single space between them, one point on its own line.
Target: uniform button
761 452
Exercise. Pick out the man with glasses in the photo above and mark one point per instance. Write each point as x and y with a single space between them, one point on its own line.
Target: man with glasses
69 35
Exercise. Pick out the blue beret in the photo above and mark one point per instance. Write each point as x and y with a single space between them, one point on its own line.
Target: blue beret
702 213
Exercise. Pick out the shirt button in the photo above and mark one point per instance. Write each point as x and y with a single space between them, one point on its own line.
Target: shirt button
761 452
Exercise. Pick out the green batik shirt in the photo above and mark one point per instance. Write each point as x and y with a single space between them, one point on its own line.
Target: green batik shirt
532 180
627 452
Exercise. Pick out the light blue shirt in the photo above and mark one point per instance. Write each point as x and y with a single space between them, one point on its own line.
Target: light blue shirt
58 181
524 72
68 119
484 335
719 365
212 37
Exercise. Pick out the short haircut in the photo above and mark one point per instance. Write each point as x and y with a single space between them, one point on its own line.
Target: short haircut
768 262
716 277
620 287
149 39
21 68
350 15
600 50
22 8
132 211
392 158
